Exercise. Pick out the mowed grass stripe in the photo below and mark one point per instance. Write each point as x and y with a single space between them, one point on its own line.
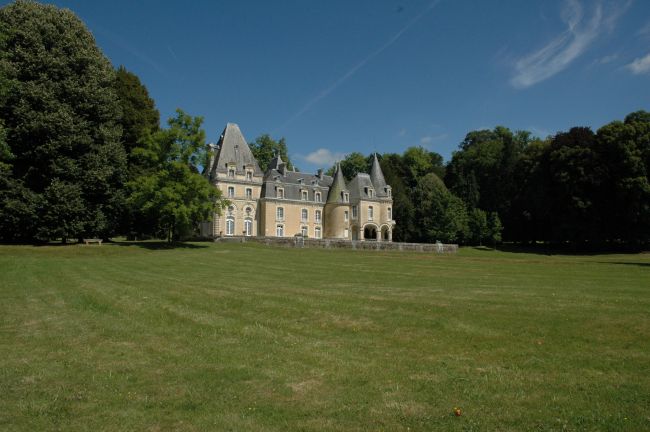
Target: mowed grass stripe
249 337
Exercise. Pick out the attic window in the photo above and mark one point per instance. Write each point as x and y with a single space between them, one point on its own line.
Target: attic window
387 190
345 196
249 175
304 195
301 181
231 172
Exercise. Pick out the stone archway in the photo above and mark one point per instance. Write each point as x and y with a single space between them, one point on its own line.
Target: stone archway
385 233
370 233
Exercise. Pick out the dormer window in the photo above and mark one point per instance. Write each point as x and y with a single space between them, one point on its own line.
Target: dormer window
279 193
387 191
317 197
249 175
346 197
301 181
370 191
304 195
231 172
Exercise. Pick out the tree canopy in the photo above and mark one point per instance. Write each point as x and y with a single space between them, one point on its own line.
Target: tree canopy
60 115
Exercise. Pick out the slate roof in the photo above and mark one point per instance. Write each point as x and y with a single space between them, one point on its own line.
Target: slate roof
338 186
233 149
293 182
358 187
377 178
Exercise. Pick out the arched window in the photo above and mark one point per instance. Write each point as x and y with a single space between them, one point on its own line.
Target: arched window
279 231
230 225
248 227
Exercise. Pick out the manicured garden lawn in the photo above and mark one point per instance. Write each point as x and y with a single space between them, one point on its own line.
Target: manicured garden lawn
254 338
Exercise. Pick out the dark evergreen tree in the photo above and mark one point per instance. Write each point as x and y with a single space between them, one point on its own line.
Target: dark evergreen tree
265 148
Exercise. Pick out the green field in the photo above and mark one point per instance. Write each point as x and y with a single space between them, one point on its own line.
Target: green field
254 338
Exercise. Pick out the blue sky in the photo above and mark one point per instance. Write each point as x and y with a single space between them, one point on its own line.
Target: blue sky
340 76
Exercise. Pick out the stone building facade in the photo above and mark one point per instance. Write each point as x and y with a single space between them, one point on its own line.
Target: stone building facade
285 203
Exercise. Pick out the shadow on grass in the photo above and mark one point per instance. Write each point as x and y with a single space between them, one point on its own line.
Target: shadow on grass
565 249
159 245
638 264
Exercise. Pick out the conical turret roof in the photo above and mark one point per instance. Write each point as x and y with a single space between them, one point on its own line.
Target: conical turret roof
377 177
338 186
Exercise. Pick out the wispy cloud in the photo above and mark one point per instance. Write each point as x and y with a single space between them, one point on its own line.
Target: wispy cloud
645 30
428 139
343 78
556 55
323 157
607 59
640 65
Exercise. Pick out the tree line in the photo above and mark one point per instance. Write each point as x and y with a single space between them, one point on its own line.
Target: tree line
83 154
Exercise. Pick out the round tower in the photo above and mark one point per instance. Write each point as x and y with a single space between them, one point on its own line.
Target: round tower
337 208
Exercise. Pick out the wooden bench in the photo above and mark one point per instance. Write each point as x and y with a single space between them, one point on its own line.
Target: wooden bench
89 241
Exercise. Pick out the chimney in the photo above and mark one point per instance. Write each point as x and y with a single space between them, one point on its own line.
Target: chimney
319 173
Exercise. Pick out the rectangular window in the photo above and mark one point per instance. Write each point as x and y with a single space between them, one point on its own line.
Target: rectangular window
346 216
390 213
249 193
317 196
304 231
304 195
279 231
249 175
304 215
346 233
279 213
370 212
317 216
354 212
231 192
317 232
346 197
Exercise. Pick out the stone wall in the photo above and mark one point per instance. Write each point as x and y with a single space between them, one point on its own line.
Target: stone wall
344 244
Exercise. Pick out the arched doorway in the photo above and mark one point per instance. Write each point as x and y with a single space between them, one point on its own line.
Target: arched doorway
370 232
385 233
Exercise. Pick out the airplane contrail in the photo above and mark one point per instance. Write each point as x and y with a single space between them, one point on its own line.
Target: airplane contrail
325 92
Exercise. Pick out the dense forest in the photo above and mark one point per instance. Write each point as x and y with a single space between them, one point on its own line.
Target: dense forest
83 154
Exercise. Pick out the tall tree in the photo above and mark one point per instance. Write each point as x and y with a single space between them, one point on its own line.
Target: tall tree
140 117
352 164
61 116
265 148
441 216
172 194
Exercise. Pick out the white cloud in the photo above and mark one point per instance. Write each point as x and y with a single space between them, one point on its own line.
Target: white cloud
640 65
402 133
323 157
425 140
607 59
558 54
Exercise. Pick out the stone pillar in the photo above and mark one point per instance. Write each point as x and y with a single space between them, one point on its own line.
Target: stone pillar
390 235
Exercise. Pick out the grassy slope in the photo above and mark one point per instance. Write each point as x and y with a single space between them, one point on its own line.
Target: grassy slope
247 337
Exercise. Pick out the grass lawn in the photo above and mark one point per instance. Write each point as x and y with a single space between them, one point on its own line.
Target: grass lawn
135 337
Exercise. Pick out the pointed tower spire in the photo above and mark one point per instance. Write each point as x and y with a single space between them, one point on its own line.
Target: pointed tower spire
377 176
338 186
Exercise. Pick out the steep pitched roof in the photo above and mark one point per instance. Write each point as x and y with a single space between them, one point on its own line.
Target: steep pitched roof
359 187
377 178
338 186
234 151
